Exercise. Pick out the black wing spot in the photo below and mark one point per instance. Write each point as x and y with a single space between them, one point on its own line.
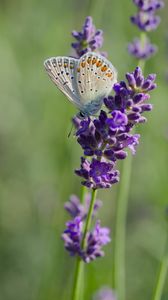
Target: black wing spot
62 72
91 89
95 73
82 92
58 74
96 91
79 81
67 73
72 77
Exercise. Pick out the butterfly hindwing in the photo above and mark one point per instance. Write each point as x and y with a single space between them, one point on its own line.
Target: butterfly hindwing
95 77
62 71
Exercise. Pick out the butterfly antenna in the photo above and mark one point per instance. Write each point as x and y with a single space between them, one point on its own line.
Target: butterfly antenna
70 132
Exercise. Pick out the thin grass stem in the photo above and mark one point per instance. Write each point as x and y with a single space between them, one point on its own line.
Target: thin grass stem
163 269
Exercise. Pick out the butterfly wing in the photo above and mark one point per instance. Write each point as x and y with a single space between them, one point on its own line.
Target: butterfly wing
95 79
62 71
85 81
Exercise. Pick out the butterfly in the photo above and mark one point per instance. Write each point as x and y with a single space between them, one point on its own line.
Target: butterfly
85 81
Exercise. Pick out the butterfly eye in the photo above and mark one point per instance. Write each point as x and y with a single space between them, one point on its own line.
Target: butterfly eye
81 115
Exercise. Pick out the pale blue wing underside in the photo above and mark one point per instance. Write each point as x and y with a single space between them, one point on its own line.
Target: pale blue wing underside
85 81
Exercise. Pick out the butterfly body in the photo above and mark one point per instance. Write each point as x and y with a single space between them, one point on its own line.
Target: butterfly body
85 81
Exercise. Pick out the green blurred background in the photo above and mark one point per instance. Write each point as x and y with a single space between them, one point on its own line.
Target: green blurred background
37 159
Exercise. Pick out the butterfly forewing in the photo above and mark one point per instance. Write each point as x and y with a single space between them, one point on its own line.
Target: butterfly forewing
62 71
95 77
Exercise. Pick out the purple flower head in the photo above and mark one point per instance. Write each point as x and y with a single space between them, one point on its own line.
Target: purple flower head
145 21
149 5
131 97
105 294
76 209
97 174
89 39
72 236
95 240
118 120
141 51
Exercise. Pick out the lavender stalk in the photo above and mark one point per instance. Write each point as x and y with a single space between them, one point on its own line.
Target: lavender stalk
141 49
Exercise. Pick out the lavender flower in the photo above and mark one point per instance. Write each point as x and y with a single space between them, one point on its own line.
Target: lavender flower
97 174
146 20
149 5
75 208
89 39
105 294
73 235
95 239
105 139
131 97
142 51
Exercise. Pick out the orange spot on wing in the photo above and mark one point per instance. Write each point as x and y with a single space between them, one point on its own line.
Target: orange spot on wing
83 64
94 60
89 60
65 65
71 66
104 68
109 75
99 64
78 69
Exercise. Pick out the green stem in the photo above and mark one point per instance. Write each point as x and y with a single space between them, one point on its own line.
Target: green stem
121 215
89 218
77 287
76 292
141 62
161 275
83 194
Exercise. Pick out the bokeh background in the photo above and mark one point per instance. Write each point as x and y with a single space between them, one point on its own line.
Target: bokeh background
37 159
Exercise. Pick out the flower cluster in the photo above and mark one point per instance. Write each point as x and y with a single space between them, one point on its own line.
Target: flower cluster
146 20
142 50
104 294
76 209
89 39
104 139
73 235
